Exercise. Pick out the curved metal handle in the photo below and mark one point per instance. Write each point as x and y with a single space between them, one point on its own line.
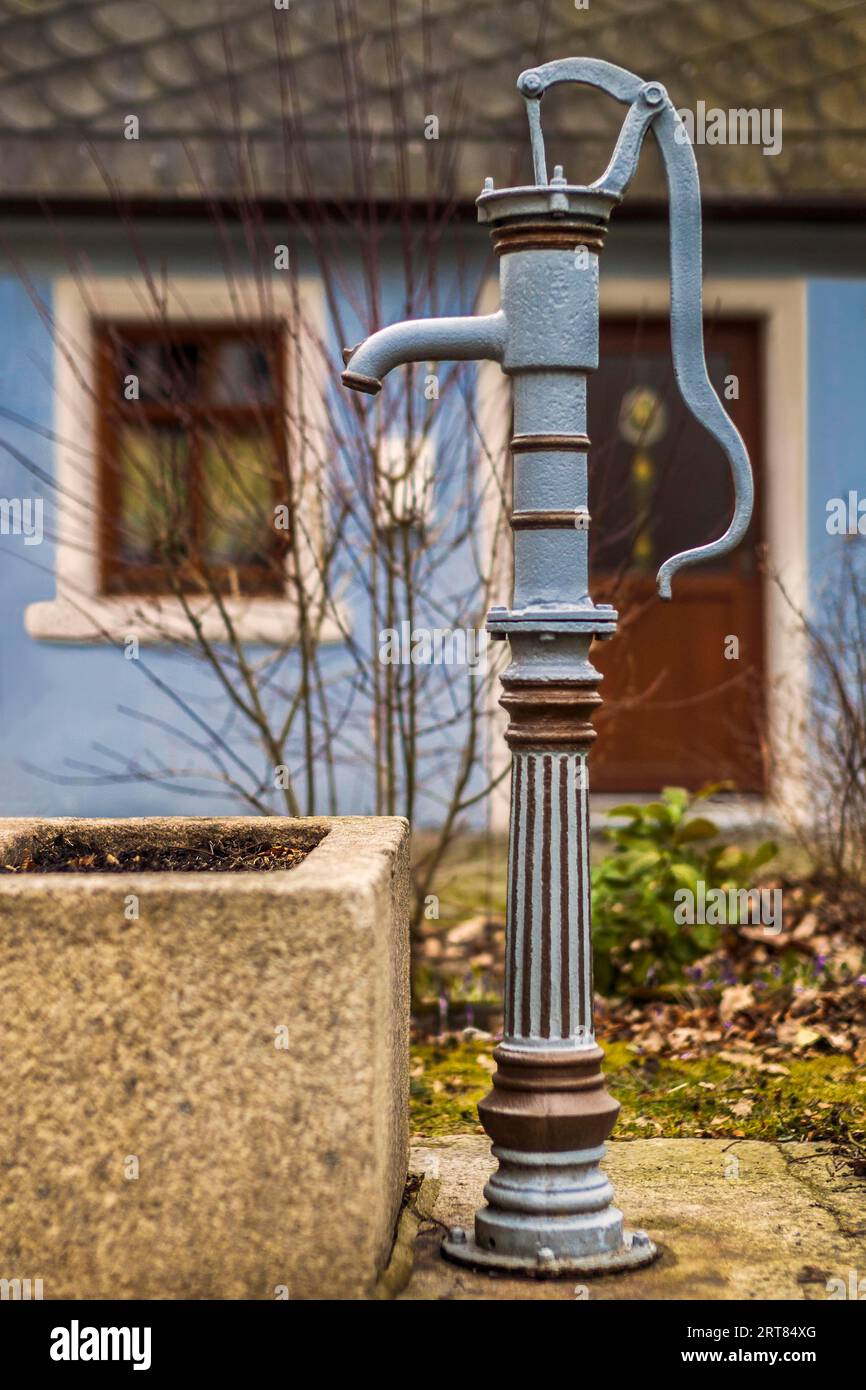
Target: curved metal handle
687 339
591 72
651 107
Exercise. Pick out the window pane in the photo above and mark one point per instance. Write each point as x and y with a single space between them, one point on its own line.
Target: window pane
192 470
239 471
168 372
152 472
243 372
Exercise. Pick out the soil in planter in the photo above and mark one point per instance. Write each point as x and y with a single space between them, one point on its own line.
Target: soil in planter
72 853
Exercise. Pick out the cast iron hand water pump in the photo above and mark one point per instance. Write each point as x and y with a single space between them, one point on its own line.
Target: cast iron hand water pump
549 1205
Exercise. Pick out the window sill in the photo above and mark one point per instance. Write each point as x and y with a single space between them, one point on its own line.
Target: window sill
162 622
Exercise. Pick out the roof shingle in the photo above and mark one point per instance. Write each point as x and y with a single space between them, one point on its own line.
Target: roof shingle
209 79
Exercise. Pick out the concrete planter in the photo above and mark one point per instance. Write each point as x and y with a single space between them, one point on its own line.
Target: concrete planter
208 1099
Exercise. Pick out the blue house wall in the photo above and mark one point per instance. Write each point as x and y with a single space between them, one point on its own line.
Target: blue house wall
837 390
64 708
58 702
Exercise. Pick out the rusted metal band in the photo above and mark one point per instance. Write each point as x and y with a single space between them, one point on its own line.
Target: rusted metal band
550 715
556 1070
547 236
368 384
568 520
538 443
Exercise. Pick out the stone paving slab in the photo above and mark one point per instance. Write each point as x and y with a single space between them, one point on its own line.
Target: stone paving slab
733 1220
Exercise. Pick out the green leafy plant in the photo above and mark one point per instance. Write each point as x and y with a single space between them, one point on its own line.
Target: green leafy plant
659 849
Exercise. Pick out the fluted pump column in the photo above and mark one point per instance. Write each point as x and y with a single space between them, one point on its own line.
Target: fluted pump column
549 1204
549 1113
548 984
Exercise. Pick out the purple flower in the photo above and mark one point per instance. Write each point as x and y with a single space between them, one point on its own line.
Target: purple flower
443 1013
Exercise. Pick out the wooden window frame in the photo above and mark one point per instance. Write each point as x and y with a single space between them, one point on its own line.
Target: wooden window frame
118 578
78 611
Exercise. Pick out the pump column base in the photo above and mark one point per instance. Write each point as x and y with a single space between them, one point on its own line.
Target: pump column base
549 1203
635 1249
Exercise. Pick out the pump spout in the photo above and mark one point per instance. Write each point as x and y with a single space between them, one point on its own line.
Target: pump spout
467 339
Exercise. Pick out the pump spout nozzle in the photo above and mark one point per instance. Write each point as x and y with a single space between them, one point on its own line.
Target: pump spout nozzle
467 339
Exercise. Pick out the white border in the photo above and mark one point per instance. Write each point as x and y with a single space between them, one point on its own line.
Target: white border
79 613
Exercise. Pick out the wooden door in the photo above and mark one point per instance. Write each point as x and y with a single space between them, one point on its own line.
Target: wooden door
683 681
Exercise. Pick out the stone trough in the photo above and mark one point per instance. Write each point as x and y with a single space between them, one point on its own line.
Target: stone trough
204 1082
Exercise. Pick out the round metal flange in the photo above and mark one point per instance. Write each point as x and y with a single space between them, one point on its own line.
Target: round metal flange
637 1249
580 201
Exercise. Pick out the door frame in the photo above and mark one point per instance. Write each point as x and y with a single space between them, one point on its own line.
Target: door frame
780 307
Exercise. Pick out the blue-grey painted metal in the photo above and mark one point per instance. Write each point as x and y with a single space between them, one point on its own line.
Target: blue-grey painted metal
467 339
550 1207
557 784
650 106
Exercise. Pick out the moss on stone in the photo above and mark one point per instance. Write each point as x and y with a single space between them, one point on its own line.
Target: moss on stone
446 1082
814 1099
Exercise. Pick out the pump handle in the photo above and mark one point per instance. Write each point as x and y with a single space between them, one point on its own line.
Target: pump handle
651 108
